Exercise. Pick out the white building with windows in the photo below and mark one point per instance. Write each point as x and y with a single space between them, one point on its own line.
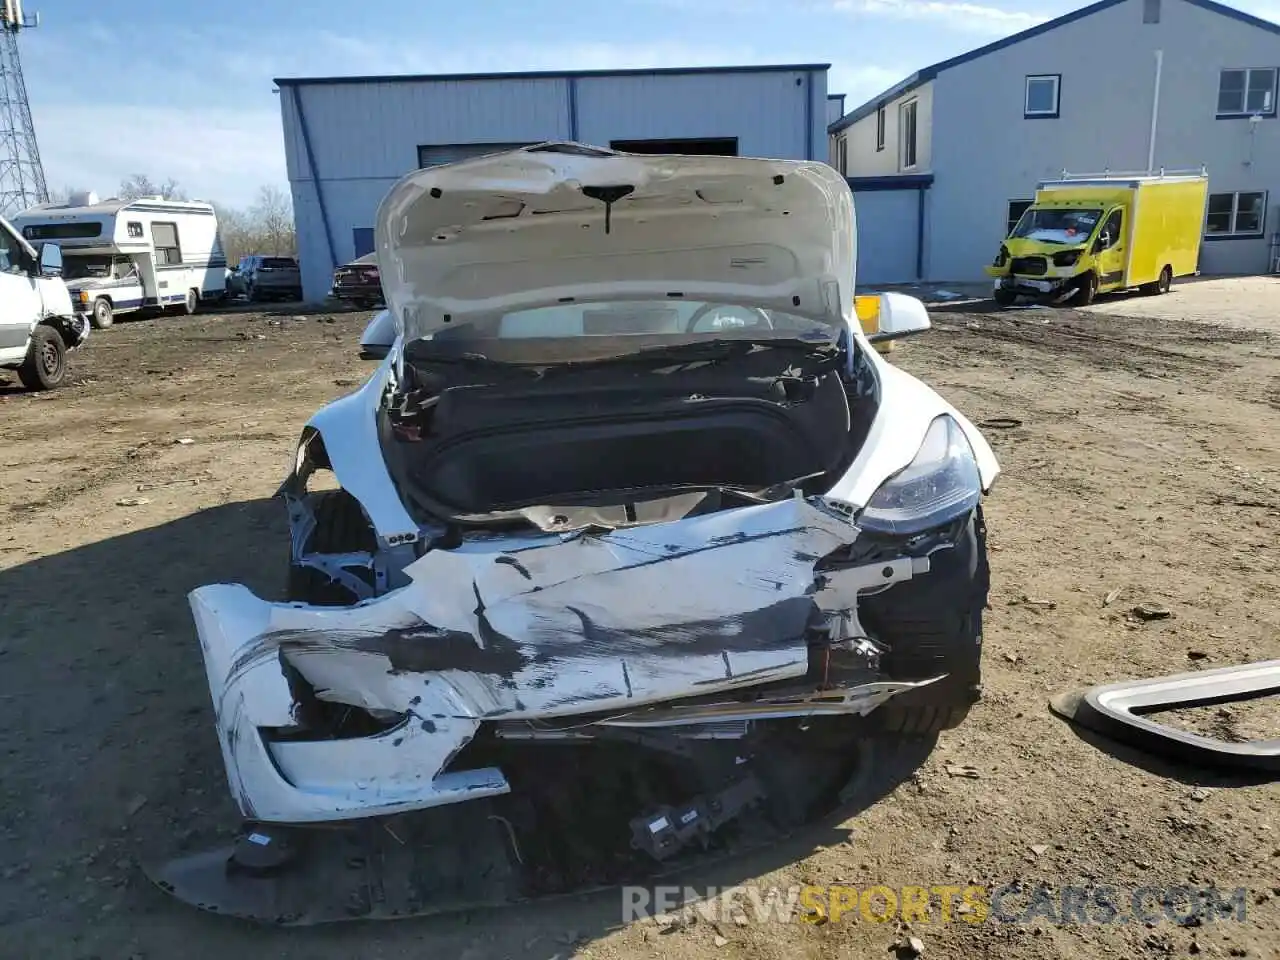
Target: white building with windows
943 163
349 139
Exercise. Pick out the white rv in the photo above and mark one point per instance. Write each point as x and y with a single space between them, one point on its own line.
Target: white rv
125 255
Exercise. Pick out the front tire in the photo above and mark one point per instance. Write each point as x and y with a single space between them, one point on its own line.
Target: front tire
45 367
102 316
192 303
933 626
1085 292
341 527
1004 297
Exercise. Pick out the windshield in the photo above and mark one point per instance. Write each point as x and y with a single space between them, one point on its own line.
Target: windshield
278 263
616 318
83 268
1056 225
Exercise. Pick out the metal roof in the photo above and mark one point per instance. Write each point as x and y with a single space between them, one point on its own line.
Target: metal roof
553 74
923 76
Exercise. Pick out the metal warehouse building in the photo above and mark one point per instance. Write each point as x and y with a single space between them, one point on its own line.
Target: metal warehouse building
348 139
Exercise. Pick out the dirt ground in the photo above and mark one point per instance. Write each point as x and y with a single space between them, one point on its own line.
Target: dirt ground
1141 465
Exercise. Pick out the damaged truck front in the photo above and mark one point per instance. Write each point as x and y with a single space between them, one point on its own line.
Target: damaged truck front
632 487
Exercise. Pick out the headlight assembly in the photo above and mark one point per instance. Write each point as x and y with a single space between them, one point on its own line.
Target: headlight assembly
940 484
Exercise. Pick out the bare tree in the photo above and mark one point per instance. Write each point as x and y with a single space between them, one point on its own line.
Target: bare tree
266 227
272 219
141 185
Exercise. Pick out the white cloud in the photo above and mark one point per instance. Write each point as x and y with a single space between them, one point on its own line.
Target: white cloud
974 17
217 154
210 120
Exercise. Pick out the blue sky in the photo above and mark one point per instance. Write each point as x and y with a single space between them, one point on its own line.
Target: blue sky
183 89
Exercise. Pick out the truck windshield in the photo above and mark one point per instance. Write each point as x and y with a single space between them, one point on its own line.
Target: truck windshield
1056 225
84 268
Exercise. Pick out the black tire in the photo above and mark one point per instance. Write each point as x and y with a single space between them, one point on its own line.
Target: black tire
933 625
341 527
1085 292
101 318
251 293
1162 284
1004 298
45 367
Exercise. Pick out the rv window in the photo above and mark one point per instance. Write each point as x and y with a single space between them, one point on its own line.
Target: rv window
165 238
135 230
62 231
82 268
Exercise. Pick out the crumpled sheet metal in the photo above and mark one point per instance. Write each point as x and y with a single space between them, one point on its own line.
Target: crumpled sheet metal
538 627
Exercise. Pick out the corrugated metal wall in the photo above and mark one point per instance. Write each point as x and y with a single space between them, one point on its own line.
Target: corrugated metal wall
363 136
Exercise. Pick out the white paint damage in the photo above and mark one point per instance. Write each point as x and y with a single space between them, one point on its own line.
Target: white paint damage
553 627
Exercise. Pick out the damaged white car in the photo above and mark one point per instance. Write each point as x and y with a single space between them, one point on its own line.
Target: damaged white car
637 538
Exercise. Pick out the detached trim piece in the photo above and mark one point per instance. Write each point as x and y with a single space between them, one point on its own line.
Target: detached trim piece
1117 711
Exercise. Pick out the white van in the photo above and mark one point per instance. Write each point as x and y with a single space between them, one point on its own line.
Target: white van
125 255
37 325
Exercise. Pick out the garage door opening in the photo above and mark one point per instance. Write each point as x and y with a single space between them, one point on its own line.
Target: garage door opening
702 147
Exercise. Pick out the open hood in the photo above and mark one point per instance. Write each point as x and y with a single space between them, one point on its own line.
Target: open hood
563 222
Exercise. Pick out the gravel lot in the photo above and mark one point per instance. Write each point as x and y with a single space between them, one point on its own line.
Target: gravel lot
1146 460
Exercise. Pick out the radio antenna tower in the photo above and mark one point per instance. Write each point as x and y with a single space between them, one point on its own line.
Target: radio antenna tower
22 182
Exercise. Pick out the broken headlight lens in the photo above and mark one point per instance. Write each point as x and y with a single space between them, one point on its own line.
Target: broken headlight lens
940 484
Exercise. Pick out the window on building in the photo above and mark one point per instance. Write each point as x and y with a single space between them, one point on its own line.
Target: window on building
696 146
165 238
362 240
1041 96
1245 92
907 126
1150 11
880 128
1016 209
842 153
1236 214
434 154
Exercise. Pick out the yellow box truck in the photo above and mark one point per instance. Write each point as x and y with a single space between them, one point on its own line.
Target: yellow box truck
1088 235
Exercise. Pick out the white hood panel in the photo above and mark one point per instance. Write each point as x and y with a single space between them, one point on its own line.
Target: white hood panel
516 231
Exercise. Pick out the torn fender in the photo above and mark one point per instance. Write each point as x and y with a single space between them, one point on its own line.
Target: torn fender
348 429
537 628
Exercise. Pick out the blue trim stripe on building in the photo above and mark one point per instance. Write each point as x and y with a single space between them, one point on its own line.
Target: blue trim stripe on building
923 76
808 116
572 83
555 74
315 176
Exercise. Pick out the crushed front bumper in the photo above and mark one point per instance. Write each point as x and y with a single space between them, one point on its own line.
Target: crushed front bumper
655 626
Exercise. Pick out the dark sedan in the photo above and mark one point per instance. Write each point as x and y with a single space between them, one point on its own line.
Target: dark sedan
358 282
